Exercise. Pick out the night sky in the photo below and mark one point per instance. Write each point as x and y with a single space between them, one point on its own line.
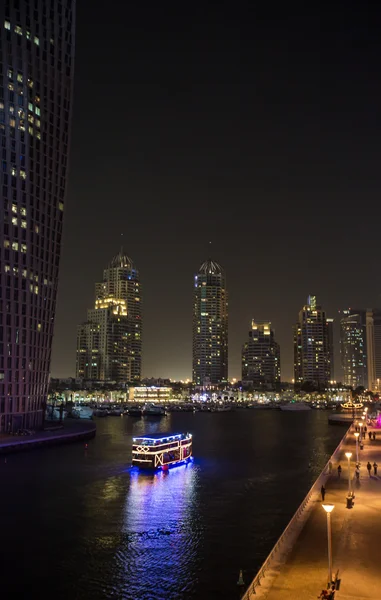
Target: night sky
255 128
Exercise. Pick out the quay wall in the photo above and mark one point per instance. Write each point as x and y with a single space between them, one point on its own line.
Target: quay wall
269 570
48 438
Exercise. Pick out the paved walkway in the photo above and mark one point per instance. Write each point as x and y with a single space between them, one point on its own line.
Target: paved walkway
71 429
356 536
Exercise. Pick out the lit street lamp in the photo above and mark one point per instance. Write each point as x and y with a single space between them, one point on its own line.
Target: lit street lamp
328 509
348 455
357 446
360 425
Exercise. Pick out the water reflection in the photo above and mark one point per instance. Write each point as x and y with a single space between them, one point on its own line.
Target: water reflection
160 541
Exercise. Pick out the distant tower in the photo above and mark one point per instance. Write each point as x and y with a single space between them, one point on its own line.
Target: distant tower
313 345
109 344
210 325
261 357
354 348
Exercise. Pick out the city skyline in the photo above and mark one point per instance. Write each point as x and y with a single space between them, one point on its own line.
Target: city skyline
236 137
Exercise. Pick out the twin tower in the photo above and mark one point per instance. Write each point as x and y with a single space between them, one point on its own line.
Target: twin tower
109 343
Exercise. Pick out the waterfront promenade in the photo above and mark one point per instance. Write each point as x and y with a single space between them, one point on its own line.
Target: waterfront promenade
356 535
71 431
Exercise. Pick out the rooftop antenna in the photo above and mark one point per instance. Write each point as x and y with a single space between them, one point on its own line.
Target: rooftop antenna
121 243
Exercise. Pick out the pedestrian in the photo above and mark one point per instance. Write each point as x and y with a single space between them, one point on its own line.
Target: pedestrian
339 471
369 467
357 471
365 428
322 491
370 435
374 435
330 467
375 465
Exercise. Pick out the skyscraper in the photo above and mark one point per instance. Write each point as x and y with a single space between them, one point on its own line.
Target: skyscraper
261 356
109 343
312 345
210 325
373 339
353 348
36 73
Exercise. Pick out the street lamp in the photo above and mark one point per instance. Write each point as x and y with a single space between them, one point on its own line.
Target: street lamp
357 446
360 425
328 509
348 455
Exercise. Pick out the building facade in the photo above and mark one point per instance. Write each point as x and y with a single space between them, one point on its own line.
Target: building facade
210 325
36 75
353 348
373 348
313 345
109 343
261 357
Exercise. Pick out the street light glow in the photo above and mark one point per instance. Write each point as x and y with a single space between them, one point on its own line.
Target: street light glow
348 455
328 507
357 434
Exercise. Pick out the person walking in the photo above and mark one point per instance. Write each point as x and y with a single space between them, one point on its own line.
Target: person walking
369 467
322 491
339 471
357 471
365 429
370 435
374 435
375 465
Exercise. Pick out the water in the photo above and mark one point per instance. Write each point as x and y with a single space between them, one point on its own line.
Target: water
78 523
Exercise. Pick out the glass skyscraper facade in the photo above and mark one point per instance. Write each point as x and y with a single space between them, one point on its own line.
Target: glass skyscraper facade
36 74
210 325
261 357
353 348
109 343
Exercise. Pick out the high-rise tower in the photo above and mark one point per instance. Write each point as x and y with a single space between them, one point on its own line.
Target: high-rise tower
109 343
261 357
36 73
210 325
353 348
312 345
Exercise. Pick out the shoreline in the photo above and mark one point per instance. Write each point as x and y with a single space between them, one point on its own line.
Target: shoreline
54 436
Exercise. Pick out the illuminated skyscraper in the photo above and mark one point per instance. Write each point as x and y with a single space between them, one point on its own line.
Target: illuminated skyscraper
261 357
312 345
354 348
109 343
36 73
210 325
373 339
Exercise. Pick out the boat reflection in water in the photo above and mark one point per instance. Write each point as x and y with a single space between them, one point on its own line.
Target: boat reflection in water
162 533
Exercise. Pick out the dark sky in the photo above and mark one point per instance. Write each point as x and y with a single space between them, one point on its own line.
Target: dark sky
242 124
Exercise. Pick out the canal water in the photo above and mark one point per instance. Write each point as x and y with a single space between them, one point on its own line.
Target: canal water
77 523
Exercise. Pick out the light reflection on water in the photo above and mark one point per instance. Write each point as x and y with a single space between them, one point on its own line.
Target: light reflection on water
83 525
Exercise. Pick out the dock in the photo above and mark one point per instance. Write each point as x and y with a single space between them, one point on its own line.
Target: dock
297 567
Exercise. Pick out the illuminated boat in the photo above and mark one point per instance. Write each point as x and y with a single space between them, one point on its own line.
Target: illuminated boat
161 451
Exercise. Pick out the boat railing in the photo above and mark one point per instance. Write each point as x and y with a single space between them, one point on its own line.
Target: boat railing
289 535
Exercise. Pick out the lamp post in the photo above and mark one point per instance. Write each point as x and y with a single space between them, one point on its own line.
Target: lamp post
328 509
357 446
348 455
360 425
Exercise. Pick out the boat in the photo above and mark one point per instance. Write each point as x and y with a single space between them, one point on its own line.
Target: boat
161 451
295 406
221 408
135 411
82 412
153 410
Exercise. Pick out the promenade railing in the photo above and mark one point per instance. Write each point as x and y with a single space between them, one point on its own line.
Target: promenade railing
295 525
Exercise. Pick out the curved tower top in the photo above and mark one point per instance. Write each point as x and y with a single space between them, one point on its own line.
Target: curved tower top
210 267
121 260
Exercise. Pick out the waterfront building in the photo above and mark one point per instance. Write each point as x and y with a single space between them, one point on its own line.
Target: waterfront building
373 347
210 325
109 343
36 75
261 357
151 393
313 345
353 348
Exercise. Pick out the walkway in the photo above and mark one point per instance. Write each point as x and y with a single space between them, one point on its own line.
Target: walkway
356 535
71 431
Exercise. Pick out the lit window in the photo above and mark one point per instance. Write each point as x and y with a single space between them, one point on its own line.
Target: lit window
7 268
61 205
30 130
30 106
22 174
7 25
28 35
36 40
18 30
23 224
13 171
23 211
38 326
24 273
11 86
30 118
14 221
36 228
14 208
38 135
19 77
38 122
37 111
30 82
12 122
15 246
10 74
21 113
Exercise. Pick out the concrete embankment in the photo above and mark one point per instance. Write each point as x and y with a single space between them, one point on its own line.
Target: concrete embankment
273 580
53 435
